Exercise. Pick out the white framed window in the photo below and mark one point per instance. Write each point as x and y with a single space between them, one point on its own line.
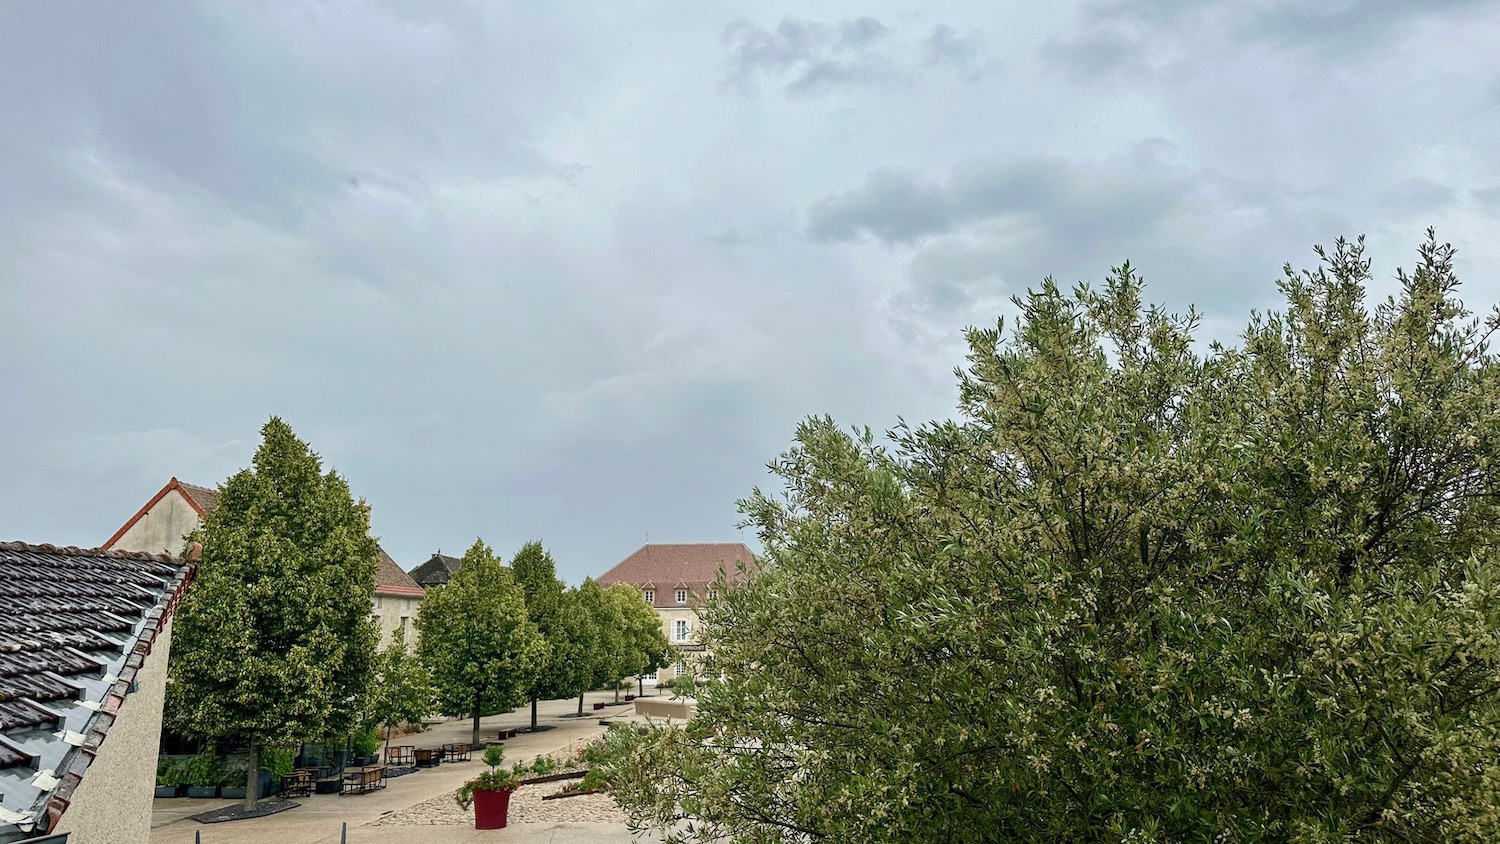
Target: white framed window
681 628
680 668
405 627
682 596
650 596
650 678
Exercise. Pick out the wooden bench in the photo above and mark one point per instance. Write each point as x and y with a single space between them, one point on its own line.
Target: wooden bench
457 752
426 757
401 755
298 783
364 780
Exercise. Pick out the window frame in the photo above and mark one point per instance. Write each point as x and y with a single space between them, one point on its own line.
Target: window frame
682 596
649 595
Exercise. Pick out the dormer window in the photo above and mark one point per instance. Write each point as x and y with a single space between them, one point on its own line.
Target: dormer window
651 596
713 594
682 596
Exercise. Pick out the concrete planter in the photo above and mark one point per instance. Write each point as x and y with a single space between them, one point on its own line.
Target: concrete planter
203 791
166 791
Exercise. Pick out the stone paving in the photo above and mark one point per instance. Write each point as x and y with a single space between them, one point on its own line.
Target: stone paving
526 806
420 808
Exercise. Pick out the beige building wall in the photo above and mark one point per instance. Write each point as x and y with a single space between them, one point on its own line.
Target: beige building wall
669 617
162 529
397 613
112 803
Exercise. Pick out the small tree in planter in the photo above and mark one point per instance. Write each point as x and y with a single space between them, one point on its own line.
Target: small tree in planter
489 793
170 777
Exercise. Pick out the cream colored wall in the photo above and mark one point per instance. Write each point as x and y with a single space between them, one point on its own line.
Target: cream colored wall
163 528
668 616
113 802
389 610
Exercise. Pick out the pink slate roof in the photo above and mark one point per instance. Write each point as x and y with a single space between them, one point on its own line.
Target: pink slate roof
666 566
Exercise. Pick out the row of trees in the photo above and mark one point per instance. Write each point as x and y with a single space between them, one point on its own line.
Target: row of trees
275 644
1145 589
495 637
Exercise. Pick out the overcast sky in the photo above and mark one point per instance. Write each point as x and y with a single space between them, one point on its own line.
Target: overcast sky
575 271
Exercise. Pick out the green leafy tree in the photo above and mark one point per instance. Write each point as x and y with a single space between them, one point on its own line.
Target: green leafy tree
536 573
575 643
1137 592
479 647
274 643
644 645
403 691
606 656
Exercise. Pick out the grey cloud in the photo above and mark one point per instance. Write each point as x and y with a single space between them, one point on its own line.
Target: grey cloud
1418 196
808 58
967 53
892 205
1488 199
1134 38
895 207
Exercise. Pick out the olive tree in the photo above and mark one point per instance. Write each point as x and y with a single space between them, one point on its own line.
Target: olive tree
1143 588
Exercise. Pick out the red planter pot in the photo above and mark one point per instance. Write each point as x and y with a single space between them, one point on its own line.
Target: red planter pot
491 808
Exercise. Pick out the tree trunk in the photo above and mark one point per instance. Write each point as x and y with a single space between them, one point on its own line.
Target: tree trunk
533 715
386 756
475 741
580 702
252 777
640 683
617 690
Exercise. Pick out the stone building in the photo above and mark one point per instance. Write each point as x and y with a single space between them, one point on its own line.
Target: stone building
675 579
178 508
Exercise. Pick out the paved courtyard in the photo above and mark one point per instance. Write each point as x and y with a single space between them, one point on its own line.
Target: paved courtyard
418 808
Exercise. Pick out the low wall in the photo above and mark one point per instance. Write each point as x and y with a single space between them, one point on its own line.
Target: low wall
680 710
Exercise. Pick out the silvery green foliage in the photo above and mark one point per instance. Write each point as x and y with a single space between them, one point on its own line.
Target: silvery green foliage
1142 590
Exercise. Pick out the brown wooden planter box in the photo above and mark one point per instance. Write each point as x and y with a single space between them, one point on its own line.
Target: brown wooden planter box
599 706
565 775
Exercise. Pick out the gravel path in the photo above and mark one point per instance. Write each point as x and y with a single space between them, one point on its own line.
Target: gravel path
526 806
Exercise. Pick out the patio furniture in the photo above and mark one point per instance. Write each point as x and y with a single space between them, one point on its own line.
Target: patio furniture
427 757
456 752
298 783
364 780
401 755
327 785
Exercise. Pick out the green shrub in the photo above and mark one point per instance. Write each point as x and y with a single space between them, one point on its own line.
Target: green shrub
367 742
203 770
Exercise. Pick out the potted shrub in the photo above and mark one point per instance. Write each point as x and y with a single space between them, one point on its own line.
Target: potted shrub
489 793
202 775
366 747
169 777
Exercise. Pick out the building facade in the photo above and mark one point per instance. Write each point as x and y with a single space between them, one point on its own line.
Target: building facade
676 579
162 526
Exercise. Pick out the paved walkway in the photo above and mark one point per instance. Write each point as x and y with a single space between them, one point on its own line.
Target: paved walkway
317 820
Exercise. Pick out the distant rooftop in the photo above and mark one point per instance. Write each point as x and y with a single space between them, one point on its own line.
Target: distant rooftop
668 566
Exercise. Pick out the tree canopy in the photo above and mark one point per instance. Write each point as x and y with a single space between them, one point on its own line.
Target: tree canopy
403 691
1143 589
475 638
274 644
536 574
643 645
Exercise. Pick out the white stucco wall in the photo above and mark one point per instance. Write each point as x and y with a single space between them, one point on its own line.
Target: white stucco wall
162 528
390 610
113 802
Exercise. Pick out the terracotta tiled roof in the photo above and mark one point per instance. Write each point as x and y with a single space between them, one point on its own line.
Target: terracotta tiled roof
436 571
75 627
390 579
667 567
203 498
